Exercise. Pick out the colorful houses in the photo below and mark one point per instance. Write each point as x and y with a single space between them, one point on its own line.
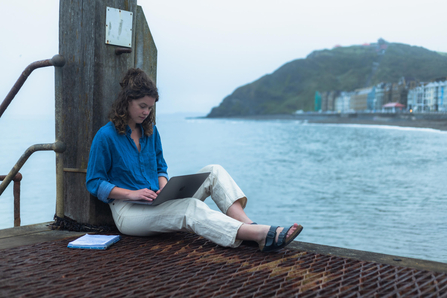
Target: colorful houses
428 97
405 95
359 99
342 102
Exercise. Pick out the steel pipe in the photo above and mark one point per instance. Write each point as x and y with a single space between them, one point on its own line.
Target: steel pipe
60 185
16 192
119 51
57 147
57 61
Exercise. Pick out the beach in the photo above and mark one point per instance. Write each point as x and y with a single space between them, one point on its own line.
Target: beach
421 123
436 121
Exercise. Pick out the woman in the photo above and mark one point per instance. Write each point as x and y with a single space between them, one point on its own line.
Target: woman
126 163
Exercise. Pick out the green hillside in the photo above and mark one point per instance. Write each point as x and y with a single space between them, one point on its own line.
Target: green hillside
292 86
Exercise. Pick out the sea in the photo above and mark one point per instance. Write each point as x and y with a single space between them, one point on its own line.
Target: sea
366 187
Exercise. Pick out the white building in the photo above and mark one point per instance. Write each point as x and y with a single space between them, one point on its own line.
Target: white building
379 98
428 97
442 96
412 98
342 102
416 98
435 95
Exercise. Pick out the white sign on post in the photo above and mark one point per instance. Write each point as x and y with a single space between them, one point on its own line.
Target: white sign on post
118 27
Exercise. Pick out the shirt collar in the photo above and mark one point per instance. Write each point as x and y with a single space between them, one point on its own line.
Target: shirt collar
129 130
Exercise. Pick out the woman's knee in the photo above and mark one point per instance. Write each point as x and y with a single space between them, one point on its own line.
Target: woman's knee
213 169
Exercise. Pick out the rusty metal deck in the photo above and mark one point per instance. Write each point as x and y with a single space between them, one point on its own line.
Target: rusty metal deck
184 265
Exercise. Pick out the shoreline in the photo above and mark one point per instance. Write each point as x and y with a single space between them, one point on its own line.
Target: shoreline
438 122
438 125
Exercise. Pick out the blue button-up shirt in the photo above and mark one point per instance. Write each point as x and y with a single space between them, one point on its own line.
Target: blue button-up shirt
115 161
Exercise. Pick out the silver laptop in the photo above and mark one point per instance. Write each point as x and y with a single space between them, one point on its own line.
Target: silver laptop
178 187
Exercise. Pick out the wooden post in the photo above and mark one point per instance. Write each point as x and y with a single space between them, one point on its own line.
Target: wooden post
86 88
144 48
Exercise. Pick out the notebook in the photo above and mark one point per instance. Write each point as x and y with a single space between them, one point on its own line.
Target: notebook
94 241
178 187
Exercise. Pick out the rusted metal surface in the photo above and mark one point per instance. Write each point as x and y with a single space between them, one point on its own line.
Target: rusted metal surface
57 147
16 193
184 265
57 61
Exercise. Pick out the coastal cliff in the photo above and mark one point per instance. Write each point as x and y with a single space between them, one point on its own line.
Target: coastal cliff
292 87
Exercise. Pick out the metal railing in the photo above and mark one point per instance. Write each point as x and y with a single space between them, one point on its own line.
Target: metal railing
17 178
58 146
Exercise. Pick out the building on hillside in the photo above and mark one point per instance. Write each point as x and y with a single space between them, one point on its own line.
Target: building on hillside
400 91
380 94
317 101
359 99
415 98
331 100
328 100
342 102
324 96
442 94
381 46
395 96
412 99
393 92
430 99
411 83
387 93
434 95
371 99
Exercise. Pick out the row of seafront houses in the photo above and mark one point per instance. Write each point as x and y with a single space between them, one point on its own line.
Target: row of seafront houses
405 95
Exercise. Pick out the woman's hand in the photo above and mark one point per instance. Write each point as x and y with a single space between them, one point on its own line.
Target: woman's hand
132 195
142 194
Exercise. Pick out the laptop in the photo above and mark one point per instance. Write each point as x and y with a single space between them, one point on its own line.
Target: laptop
178 187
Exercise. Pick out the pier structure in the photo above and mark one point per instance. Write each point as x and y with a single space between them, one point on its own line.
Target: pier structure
100 41
35 263
35 260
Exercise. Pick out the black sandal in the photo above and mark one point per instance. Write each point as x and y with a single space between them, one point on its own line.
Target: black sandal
282 241
270 243
270 240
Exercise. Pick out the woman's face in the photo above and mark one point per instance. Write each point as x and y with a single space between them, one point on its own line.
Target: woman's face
139 109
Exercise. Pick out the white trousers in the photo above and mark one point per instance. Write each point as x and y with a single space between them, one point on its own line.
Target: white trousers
189 215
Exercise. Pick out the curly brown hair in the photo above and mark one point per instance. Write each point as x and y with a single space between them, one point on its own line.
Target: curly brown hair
135 84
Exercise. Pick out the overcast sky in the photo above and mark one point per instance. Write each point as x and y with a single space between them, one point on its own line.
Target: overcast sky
206 49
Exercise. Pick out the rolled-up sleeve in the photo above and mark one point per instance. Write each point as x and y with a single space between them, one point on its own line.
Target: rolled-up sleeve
104 190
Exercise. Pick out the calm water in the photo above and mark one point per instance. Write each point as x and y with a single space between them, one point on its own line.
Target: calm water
372 188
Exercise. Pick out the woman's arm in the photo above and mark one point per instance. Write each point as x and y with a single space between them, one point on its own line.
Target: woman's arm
162 167
162 181
98 164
